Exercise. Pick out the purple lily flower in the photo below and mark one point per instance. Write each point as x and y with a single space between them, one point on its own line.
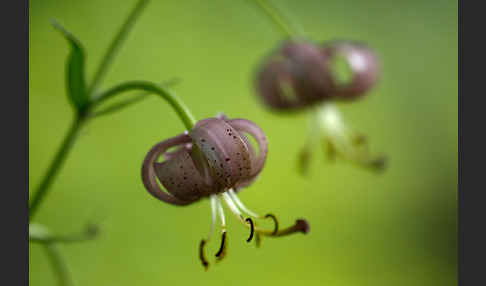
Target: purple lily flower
301 75
215 160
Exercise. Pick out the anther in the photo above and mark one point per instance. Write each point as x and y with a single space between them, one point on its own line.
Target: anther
275 221
252 229
202 256
222 248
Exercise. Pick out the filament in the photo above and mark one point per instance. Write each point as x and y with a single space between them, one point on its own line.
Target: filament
221 214
240 204
258 240
234 209
213 200
300 225
344 140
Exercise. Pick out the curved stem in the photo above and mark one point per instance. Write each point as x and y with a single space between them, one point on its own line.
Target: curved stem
276 18
117 106
180 108
115 45
56 164
58 264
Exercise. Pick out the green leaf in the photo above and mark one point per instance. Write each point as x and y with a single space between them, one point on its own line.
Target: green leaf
75 81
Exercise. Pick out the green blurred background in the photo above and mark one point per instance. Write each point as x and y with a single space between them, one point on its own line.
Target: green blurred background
398 228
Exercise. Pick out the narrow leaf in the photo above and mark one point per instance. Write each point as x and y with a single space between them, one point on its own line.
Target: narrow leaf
75 81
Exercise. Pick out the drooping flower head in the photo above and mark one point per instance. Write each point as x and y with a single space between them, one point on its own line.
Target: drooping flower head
301 75
216 160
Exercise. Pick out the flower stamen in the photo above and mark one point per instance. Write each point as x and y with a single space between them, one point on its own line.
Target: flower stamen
275 222
343 141
222 249
202 255
300 225
252 229
240 204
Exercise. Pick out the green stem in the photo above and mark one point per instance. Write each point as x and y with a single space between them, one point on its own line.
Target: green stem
116 44
58 264
56 164
40 234
117 106
180 108
276 18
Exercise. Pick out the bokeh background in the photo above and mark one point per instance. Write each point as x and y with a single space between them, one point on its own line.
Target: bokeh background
397 228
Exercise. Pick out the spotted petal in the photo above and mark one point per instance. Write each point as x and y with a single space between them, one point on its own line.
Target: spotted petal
225 151
149 174
257 160
180 177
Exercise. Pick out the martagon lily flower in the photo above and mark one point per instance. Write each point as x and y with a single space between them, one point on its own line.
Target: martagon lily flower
301 75
216 160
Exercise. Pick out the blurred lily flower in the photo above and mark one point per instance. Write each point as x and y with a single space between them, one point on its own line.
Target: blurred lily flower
216 160
302 75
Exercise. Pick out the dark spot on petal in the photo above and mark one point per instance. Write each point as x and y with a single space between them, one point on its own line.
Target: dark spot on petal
227 159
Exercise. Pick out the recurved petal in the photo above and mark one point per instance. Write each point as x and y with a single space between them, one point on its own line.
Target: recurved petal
275 84
182 149
257 158
295 76
363 63
180 177
226 153
148 169
310 70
